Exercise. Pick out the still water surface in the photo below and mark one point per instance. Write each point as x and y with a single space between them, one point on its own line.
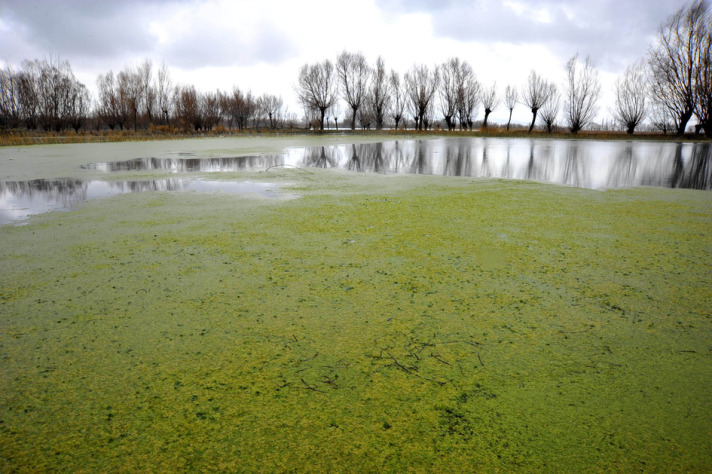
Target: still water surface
580 163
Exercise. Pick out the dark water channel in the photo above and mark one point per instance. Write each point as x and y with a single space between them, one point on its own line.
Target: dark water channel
581 163
21 199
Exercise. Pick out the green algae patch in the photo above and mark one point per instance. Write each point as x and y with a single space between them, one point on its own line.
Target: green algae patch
375 323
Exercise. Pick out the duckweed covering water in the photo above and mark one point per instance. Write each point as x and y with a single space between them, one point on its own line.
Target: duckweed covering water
377 323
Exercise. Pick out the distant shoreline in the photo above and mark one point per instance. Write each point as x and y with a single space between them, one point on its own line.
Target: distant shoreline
28 137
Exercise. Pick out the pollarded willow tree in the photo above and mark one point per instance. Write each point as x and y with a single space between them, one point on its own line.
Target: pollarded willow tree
703 81
468 96
510 99
673 61
450 83
535 94
379 96
354 74
272 106
398 98
583 89
550 110
420 86
490 101
316 88
630 108
163 96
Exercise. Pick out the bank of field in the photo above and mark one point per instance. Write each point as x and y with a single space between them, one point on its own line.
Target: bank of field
374 323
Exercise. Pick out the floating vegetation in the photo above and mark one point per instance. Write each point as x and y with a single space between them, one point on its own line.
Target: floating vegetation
383 323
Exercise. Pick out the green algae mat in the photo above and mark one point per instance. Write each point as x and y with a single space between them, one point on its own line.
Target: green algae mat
383 323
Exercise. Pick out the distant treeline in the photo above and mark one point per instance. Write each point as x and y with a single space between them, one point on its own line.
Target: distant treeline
669 87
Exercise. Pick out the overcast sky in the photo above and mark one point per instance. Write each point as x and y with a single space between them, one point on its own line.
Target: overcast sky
260 45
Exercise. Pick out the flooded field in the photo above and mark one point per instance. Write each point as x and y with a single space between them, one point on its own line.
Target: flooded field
382 320
580 163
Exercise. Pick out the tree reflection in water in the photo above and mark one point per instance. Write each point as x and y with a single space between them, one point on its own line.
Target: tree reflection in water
21 199
582 163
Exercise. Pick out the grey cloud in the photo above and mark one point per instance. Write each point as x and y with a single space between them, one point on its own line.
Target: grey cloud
85 31
612 32
76 28
205 47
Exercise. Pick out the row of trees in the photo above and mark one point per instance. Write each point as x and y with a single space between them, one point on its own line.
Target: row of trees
449 90
670 86
45 94
135 97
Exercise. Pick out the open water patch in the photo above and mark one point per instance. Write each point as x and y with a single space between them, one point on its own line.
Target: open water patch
189 165
580 163
21 199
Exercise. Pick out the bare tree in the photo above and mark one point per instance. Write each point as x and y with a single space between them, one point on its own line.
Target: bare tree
398 98
147 89
10 104
673 61
703 81
210 109
631 91
112 108
188 108
550 110
316 89
490 101
535 94
660 117
131 91
379 93
335 111
163 95
420 85
468 95
240 106
260 112
583 89
79 106
54 86
272 106
28 99
354 74
366 113
450 85
510 99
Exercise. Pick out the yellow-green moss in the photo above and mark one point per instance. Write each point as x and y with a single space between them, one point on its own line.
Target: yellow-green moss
377 323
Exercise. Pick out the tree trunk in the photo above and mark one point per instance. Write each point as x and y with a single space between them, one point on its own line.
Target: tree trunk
353 118
707 128
487 112
510 118
682 125
534 112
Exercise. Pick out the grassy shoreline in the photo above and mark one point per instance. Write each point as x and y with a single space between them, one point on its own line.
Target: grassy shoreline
381 321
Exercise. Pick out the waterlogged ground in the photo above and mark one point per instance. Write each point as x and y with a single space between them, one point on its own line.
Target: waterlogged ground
374 323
